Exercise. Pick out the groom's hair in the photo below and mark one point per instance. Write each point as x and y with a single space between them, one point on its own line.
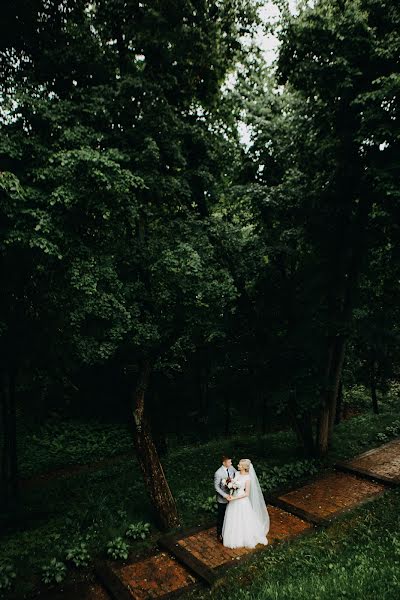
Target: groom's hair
225 457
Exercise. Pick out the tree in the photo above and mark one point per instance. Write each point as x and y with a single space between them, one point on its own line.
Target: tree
317 173
336 56
118 150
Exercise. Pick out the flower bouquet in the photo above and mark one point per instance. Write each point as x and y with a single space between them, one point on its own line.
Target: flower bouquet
231 484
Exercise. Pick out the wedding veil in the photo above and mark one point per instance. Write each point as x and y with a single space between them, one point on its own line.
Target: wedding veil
257 499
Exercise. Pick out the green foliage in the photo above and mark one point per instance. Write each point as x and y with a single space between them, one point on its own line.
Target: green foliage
138 530
389 432
135 224
78 554
357 395
195 503
7 576
54 571
117 173
278 476
356 557
321 159
208 505
118 549
71 442
85 507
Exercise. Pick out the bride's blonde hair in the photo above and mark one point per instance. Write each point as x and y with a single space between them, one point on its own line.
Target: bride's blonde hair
245 463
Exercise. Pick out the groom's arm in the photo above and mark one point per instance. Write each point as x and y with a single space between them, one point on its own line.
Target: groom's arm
217 486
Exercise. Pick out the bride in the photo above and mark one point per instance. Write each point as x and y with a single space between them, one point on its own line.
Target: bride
246 522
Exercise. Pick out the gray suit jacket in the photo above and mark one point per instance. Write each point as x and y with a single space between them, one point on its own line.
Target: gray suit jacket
219 475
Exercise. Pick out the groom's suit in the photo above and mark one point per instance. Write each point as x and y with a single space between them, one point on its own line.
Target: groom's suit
222 494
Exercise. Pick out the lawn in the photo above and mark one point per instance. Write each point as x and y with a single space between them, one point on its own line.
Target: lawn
96 507
357 557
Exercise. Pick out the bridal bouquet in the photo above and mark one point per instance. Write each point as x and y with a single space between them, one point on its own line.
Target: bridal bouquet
231 484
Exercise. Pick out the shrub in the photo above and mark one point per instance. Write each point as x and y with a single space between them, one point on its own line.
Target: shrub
209 504
277 476
7 576
390 431
118 548
78 554
54 571
138 531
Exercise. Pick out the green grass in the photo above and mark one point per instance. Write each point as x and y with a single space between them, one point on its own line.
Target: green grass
357 557
71 442
98 506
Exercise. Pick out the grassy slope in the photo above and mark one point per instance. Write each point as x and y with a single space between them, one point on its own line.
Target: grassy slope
357 557
98 506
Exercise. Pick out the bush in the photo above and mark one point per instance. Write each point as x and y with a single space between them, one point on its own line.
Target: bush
78 555
138 531
209 504
54 571
118 549
278 476
7 576
391 431
71 442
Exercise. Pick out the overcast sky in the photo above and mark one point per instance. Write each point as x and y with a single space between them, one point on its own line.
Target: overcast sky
269 13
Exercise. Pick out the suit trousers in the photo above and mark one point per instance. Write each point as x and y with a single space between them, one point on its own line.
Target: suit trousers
220 516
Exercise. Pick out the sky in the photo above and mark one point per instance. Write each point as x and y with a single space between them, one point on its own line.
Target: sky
269 13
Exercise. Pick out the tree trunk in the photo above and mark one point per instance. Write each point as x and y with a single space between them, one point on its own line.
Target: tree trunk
227 405
374 396
351 249
323 426
326 417
306 429
9 462
339 404
152 470
322 433
337 378
302 425
203 400
156 426
264 413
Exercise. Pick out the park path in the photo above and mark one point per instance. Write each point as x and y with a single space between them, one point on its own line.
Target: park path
194 557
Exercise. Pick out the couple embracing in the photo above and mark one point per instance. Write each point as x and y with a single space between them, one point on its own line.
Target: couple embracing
242 519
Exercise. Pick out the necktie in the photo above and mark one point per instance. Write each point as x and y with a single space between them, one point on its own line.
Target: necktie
227 471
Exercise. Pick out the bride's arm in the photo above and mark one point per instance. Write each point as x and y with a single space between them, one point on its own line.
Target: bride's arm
246 491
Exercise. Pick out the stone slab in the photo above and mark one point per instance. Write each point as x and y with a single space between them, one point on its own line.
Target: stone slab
331 494
155 577
205 546
383 461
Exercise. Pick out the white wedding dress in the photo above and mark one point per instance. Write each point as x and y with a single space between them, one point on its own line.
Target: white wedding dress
246 522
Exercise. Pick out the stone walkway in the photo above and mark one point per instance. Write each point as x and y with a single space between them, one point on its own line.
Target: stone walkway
195 557
155 577
382 463
328 496
202 558
208 550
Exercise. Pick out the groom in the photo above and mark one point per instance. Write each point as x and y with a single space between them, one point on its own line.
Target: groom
226 470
